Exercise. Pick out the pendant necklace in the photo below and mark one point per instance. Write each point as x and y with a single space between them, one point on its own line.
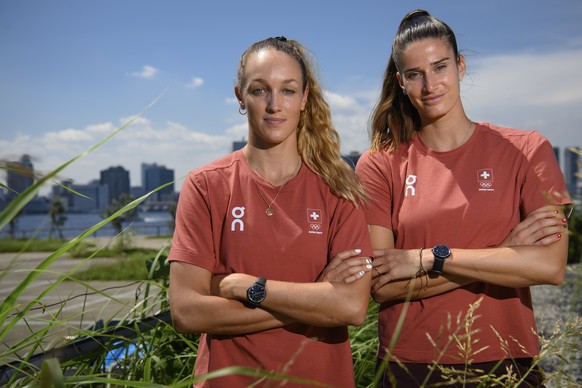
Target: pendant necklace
269 211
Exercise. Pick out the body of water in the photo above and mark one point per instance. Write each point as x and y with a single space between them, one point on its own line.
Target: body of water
38 225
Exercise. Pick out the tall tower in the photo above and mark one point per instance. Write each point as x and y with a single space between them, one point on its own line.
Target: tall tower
153 176
117 181
571 168
20 175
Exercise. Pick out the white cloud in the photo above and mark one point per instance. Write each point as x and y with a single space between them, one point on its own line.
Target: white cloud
146 72
195 83
530 91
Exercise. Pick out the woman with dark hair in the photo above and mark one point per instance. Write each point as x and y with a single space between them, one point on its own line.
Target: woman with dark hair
446 197
271 257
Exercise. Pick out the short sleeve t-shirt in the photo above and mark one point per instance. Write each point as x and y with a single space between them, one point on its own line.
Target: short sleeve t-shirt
470 197
221 226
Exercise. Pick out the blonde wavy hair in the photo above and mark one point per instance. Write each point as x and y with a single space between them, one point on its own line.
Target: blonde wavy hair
318 142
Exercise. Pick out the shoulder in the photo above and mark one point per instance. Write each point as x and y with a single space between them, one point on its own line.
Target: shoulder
219 171
512 135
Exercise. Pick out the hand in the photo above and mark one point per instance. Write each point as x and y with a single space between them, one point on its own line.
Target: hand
346 267
232 286
394 264
541 227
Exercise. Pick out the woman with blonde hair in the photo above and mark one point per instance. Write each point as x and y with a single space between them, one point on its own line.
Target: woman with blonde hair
271 255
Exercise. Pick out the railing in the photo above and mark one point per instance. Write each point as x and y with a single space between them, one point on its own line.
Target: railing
97 342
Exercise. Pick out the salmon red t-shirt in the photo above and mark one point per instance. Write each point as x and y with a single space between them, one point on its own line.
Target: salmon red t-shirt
221 226
470 197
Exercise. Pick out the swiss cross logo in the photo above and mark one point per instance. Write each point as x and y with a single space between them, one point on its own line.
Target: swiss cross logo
314 216
315 221
485 179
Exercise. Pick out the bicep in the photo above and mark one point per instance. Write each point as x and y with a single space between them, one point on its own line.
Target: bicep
381 237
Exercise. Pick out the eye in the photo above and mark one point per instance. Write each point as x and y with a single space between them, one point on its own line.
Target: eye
441 67
413 75
288 91
258 91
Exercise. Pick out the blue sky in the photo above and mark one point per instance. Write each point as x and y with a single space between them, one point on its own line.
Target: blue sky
72 71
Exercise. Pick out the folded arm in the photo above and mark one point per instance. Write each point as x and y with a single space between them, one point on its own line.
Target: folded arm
535 252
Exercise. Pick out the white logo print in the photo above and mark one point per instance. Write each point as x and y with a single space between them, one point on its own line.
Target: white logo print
485 179
410 182
314 219
238 213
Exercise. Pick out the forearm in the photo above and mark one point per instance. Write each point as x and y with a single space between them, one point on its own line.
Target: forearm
418 288
217 315
322 304
520 266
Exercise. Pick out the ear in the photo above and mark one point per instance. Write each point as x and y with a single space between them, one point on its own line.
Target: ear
238 95
399 79
461 66
304 99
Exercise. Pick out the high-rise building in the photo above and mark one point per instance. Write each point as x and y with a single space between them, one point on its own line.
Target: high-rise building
154 176
19 175
95 197
571 168
117 181
352 158
557 154
237 145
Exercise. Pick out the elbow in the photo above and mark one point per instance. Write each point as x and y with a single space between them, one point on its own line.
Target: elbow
556 277
356 315
181 322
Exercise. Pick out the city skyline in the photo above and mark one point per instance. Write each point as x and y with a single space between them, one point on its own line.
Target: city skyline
68 81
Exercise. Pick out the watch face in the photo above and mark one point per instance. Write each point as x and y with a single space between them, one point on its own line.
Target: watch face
256 293
441 251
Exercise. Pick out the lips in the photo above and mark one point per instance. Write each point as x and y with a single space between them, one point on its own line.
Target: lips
274 120
431 100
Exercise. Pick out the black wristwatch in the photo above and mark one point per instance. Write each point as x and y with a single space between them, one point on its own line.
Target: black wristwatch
257 292
440 252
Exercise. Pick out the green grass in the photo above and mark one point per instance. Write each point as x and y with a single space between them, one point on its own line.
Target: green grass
8 245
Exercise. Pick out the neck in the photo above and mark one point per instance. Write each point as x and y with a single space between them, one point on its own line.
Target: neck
273 165
444 136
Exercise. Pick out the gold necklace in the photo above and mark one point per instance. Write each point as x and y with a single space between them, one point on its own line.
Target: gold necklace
269 210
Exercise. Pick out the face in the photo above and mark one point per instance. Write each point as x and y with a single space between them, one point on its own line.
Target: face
273 97
430 75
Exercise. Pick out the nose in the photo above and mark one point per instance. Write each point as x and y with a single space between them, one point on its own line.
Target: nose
274 102
430 83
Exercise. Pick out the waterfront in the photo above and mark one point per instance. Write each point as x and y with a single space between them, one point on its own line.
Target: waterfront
38 225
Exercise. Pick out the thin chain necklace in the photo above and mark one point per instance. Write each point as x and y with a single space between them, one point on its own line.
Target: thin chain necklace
269 210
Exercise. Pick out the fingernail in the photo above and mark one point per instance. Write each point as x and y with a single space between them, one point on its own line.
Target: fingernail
361 273
368 261
357 250
369 266
559 235
564 220
555 211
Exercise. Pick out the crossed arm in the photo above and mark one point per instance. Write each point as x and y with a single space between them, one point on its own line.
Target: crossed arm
534 253
201 302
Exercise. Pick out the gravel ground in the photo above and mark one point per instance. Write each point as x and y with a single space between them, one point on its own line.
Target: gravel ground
561 304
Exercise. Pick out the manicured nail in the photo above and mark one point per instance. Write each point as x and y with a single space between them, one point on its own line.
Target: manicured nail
564 220
357 250
368 261
559 235
368 266
555 211
361 273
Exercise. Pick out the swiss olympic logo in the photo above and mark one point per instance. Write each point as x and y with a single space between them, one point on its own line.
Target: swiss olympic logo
485 179
314 219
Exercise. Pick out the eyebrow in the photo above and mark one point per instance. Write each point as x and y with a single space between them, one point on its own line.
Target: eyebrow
287 81
431 64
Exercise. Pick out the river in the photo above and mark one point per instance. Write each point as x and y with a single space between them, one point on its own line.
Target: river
38 225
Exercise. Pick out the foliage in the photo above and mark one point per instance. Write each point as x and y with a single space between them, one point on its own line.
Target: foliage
575 237
114 207
57 216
